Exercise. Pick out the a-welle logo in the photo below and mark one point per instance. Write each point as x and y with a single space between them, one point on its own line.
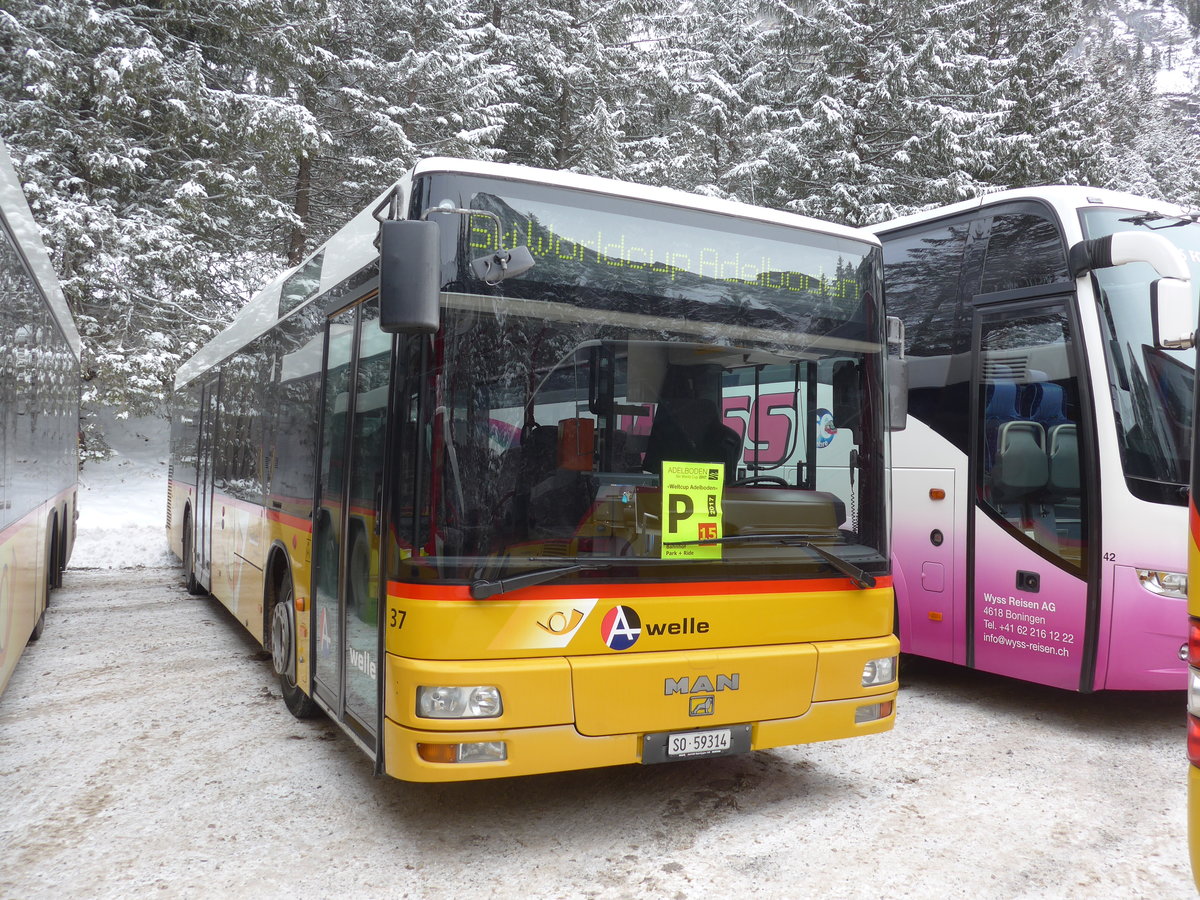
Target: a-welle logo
622 626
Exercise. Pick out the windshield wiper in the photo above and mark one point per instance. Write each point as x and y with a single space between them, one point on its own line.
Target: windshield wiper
859 576
1146 218
483 588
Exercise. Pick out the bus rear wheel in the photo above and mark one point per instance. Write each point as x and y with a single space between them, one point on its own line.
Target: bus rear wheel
189 559
283 653
40 625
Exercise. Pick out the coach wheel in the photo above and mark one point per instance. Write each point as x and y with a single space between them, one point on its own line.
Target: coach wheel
283 653
64 543
189 558
40 625
55 555
327 558
51 553
360 575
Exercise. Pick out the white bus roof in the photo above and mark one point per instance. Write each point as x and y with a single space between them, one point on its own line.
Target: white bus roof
14 209
1065 199
629 190
352 246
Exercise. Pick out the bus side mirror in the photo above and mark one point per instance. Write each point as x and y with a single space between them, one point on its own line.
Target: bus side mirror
409 276
897 372
846 395
1172 314
897 393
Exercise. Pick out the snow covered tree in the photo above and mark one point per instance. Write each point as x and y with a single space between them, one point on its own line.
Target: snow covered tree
406 80
1144 132
148 145
575 79
1035 85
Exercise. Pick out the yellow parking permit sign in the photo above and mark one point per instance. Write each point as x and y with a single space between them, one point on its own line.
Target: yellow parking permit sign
691 509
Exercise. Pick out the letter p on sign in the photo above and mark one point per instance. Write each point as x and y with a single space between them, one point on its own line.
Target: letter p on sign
679 507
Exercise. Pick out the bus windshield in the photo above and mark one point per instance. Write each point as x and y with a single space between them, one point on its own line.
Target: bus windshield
664 388
1152 388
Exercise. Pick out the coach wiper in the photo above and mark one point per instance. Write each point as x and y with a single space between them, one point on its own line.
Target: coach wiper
859 576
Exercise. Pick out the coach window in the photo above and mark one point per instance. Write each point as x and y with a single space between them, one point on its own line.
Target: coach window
924 273
1023 250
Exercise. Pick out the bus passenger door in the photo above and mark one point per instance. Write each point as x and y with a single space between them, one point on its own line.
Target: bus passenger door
1032 615
346 529
204 482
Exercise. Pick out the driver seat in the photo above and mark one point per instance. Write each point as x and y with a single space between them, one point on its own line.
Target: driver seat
690 430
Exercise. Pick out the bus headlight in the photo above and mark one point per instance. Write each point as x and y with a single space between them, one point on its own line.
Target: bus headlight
454 702
879 671
1168 584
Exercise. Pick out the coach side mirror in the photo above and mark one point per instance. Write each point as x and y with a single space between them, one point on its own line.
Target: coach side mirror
1173 314
897 375
409 276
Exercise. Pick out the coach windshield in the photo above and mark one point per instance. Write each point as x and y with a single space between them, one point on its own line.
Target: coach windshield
1152 388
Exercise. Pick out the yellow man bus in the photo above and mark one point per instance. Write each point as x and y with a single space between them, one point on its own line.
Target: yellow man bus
526 471
39 425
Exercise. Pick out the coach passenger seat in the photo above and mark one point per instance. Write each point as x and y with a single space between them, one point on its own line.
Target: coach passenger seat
1001 408
1020 470
1046 405
1063 488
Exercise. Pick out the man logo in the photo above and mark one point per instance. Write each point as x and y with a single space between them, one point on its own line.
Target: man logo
620 628
701 706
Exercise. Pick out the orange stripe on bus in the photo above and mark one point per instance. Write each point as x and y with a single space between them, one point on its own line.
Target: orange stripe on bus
274 515
287 519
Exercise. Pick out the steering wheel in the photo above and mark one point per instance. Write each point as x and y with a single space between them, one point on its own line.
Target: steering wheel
760 479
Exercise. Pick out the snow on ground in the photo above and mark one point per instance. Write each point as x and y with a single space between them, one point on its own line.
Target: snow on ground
123 501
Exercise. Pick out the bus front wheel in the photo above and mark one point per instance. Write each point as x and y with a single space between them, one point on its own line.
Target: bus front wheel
283 653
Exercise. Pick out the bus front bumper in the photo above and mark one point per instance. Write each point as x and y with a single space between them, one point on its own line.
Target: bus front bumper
557 748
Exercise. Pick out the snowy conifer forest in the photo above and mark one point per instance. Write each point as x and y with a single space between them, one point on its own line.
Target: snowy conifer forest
179 152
